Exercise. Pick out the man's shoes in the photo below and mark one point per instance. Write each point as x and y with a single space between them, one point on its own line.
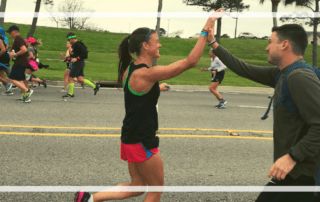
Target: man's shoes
44 83
9 86
7 93
27 95
27 100
96 89
67 95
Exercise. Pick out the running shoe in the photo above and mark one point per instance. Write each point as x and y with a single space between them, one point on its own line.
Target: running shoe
62 90
44 83
7 93
67 95
20 100
9 86
27 100
82 197
27 95
222 104
96 89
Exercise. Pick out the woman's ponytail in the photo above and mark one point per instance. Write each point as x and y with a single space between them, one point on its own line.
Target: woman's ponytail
125 59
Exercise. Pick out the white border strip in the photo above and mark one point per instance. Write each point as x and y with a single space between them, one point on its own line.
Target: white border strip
160 188
156 14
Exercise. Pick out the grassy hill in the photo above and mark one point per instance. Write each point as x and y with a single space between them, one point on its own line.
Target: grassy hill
102 61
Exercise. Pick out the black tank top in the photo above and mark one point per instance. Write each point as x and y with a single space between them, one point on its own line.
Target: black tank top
141 120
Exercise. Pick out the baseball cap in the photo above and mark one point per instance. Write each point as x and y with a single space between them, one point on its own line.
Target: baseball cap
30 39
12 28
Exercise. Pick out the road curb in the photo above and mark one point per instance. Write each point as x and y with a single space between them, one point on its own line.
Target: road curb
221 89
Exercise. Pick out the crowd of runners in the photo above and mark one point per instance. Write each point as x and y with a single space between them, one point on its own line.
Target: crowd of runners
296 110
25 58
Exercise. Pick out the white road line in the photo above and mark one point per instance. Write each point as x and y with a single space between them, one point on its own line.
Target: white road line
160 188
259 107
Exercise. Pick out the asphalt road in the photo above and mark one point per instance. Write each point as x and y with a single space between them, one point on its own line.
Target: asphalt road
51 142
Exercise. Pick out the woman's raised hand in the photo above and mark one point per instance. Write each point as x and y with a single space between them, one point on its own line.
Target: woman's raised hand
212 18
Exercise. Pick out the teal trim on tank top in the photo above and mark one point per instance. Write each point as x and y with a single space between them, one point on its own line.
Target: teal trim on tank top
133 92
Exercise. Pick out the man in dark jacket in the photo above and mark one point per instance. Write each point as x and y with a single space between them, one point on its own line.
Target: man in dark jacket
296 139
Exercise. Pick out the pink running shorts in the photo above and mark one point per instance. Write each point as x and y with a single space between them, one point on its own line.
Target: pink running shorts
136 153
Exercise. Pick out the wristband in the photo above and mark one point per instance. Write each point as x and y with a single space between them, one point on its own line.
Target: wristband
210 44
293 157
78 58
204 33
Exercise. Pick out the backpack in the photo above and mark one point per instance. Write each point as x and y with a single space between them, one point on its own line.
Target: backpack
86 57
287 101
285 97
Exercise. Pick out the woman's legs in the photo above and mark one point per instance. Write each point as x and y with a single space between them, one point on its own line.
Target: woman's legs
148 173
66 76
152 171
136 180
213 88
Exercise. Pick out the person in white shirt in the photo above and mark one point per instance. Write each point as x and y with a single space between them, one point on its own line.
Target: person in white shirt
217 70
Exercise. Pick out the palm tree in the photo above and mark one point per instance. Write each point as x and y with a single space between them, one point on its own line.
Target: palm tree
2 9
274 10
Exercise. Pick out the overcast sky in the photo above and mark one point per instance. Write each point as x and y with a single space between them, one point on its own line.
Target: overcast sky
190 26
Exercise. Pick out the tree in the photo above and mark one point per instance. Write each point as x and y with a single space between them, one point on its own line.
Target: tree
154 62
313 21
209 5
55 19
69 8
162 32
176 33
2 10
35 18
274 10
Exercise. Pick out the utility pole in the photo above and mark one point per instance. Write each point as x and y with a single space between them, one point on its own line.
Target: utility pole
168 27
235 32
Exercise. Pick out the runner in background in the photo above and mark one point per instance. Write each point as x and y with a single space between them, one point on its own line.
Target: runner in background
217 70
32 45
4 62
67 59
20 57
80 53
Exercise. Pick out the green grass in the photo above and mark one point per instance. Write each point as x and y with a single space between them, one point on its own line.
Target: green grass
102 62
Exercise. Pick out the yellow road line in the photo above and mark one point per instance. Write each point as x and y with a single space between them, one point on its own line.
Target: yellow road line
111 128
118 135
